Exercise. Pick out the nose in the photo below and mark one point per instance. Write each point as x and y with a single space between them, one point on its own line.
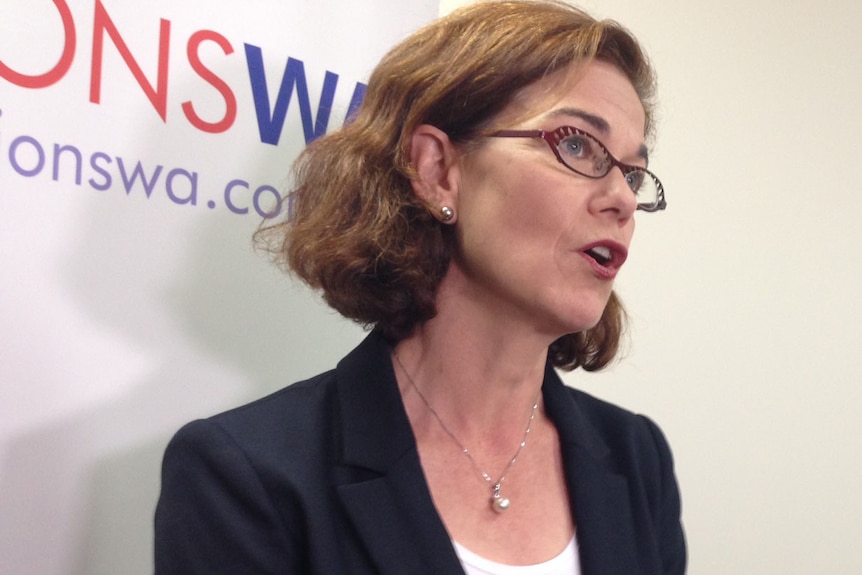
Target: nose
614 197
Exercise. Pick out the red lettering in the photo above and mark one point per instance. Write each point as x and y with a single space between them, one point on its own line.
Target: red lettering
229 99
63 64
159 96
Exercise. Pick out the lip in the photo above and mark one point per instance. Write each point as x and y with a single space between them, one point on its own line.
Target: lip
608 270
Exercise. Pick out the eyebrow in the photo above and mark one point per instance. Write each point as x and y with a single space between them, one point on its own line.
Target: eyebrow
597 122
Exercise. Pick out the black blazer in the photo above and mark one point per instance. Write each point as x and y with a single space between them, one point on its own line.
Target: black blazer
323 477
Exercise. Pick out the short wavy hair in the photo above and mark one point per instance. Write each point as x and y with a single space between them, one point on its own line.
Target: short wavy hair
356 230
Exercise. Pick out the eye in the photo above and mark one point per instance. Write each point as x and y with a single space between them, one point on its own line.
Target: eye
576 146
635 180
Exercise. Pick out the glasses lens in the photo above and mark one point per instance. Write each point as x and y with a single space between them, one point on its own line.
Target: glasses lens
587 156
646 188
584 154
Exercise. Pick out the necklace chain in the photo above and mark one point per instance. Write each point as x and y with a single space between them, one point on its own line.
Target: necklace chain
498 502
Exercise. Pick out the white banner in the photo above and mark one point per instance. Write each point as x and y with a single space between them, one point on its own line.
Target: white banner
141 143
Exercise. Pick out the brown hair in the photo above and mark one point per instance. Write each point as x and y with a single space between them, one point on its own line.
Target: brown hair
356 230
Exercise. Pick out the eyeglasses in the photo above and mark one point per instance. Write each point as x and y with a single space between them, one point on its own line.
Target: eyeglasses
585 155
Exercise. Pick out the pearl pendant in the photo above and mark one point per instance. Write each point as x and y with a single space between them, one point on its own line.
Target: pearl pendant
499 504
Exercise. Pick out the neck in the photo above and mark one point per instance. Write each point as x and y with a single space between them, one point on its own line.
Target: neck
481 374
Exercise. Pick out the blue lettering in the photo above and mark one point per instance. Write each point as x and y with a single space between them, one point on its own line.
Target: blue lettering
270 121
13 156
106 185
291 202
263 213
136 174
58 149
227 199
355 102
192 177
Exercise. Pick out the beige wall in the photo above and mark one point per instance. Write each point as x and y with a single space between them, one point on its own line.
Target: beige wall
744 295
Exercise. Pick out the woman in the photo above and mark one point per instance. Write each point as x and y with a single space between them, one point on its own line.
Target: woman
475 214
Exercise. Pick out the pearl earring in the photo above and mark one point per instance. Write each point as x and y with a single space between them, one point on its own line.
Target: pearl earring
447 213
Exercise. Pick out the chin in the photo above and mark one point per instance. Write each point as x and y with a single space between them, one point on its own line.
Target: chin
586 315
574 323
570 312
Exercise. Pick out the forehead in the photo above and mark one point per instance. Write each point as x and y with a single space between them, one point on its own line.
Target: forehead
597 97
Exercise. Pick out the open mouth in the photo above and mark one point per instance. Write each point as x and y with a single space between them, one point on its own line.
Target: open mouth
606 257
602 254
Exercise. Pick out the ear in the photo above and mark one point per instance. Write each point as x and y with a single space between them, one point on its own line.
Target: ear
435 160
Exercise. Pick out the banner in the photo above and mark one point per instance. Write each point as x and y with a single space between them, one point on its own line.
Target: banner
141 144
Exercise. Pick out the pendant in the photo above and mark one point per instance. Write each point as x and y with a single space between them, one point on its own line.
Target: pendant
498 502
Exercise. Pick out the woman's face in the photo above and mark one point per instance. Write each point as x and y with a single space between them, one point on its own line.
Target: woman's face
533 235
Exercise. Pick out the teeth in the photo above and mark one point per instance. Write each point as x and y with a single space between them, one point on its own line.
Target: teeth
602 251
601 254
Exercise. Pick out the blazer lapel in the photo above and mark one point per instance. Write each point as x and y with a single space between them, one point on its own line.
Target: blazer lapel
380 481
599 496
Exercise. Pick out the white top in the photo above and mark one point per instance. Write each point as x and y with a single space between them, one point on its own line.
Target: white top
566 563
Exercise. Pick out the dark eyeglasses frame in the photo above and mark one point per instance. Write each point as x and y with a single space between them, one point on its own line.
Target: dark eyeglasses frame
554 137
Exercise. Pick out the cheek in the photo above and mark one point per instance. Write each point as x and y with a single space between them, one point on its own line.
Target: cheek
550 208
523 211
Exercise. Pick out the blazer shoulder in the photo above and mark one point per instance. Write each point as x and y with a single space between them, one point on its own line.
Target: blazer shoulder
232 482
632 439
295 406
289 428
604 415
633 446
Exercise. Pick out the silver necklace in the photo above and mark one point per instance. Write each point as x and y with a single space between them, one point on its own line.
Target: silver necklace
498 502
